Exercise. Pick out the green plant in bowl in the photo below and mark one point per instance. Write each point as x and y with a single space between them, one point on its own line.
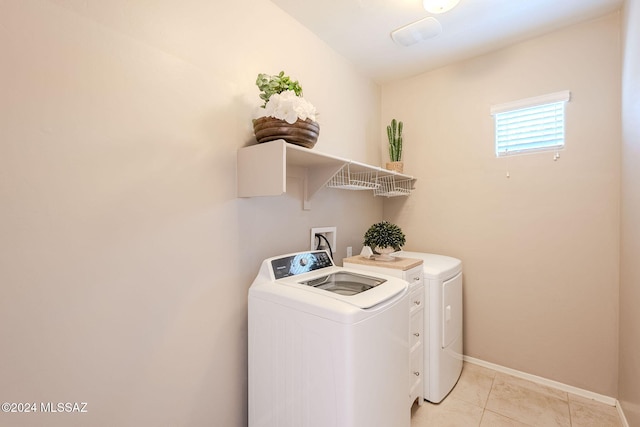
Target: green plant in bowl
384 235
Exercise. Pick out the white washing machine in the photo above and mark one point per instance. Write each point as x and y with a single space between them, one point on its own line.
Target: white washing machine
328 346
443 323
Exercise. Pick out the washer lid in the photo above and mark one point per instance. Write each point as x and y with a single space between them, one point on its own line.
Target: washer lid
357 294
435 266
289 280
344 283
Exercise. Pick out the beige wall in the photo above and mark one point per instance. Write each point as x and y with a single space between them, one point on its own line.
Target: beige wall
125 257
540 249
629 374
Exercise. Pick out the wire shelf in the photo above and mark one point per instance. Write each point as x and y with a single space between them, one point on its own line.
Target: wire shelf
347 180
389 186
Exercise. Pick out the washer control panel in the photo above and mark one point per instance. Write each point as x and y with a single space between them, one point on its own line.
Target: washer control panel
302 262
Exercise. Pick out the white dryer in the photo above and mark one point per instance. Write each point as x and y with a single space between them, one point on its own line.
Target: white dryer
443 323
328 346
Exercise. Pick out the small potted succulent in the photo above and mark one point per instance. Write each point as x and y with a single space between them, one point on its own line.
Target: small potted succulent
394 133
285 114
384 238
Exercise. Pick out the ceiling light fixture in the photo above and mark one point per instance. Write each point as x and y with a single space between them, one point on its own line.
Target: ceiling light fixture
439 6
418 31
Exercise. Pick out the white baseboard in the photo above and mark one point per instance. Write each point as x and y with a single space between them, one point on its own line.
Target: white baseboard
554 384
625 423
546 382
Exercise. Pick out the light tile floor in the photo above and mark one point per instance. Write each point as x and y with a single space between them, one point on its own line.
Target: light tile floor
486 398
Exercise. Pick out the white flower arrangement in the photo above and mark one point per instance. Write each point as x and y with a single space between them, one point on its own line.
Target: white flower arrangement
289 107
283 102
283 99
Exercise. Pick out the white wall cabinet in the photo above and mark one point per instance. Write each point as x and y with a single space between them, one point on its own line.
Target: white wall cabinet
263 171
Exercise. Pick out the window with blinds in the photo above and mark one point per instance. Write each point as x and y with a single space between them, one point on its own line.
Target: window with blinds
529 125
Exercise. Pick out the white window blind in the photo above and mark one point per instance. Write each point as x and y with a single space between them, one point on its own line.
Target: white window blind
531 124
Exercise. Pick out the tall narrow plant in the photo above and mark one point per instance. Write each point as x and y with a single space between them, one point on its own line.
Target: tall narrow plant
394 132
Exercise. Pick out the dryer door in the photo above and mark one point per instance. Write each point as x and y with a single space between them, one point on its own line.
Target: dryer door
451 309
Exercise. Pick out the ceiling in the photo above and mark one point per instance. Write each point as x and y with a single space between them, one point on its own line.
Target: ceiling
360 29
